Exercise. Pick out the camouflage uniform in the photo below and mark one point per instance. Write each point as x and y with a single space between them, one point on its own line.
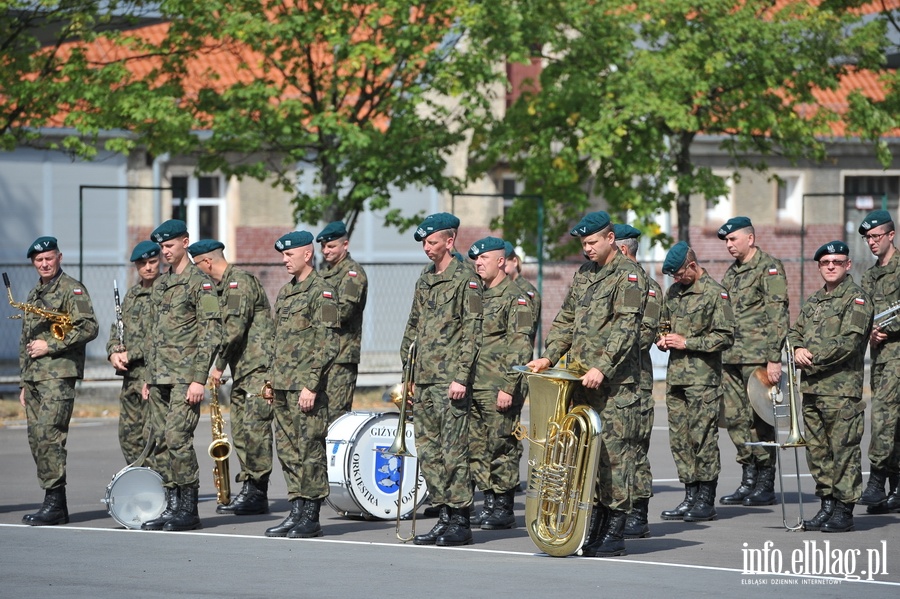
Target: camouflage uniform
835 328
599 326
445 323
136 310
702 314
306 344
643 478
349 280
758 292
184 336
535 303
248 331
49 381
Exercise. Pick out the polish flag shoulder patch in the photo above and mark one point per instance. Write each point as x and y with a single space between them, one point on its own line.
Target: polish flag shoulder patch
724 295
351 273
632 278
327 295
530 294
77 291
523 301
207 286
473 285
233 285
773 271
860 301
651 293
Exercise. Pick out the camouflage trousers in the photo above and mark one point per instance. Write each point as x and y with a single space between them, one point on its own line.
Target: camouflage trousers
442 444
884 444
694 431
834 429
494 453
133 412
643 478
251 428
743 423
619 407
173 421
300 441
48 410
340 389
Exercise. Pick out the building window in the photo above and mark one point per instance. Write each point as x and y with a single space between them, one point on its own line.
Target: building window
720 209
200 202
789 198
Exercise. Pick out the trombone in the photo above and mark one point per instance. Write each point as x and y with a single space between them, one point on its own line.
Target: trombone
768 401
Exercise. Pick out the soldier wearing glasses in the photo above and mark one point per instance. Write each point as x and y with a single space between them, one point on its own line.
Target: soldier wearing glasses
829 343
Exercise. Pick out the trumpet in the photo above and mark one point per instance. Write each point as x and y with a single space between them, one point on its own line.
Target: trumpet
61 323
401 397
886 316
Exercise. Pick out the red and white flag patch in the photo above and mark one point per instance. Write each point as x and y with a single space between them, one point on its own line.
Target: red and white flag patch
232 285
207 286
523 301
632 278
77 291
351 273
473 285
724 295
860 301
773 271
651 293
327 295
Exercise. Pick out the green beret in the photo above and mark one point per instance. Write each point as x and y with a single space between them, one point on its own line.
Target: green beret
42 244
169 230
488 244
144 250
590 224
332 231
876 218
294 239
509 248
832 247
436 222
734 224
675 258
626 232
204 246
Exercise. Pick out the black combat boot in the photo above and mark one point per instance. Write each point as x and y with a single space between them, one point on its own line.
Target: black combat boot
458 532
187 518
893 500
599 515
764 491
842 518
636 525
503 517
228 508
612 542
874 493
54 509
440 527
309 526
173 500
256 501
293 519
486 510
704 508
748 482
690 495
821 516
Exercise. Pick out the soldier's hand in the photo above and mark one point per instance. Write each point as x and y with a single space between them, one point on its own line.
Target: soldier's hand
877 337
504 401
22 396
803 357
306 400
37 348
773 369
674 341
119 360
145 391
592 379
215 376
538 365
194 393
456 391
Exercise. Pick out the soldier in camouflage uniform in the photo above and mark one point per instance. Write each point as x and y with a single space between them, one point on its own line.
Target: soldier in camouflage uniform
129 358
700 320
246 350
497 393
306 344
882 282
445 325
829 343
513 269
637 525
757 286
348 278
599 326
184 336
49 368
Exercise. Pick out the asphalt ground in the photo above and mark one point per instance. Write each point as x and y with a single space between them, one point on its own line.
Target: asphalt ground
93 556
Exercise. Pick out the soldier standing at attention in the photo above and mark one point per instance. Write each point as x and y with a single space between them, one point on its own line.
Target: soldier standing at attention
636 525
882 283
246 349
829 343
130 358
185 331
306 344
497 393
49 368
599 326
757 286
445 324
513 270
700 318
345 275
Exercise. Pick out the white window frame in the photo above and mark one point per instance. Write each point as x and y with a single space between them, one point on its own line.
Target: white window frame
193 202
724 207
792 213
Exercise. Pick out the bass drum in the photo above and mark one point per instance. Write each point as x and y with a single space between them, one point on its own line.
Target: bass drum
135 495
365 482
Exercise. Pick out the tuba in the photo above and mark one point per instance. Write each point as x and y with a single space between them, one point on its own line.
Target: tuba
562 464
61 323
219 449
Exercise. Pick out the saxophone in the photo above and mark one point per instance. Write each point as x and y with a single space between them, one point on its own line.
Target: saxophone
219 449
61 322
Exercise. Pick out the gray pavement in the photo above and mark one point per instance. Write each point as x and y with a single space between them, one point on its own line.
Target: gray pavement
95 557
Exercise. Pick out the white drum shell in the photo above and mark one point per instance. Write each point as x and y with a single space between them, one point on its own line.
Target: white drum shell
134 496
363 480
